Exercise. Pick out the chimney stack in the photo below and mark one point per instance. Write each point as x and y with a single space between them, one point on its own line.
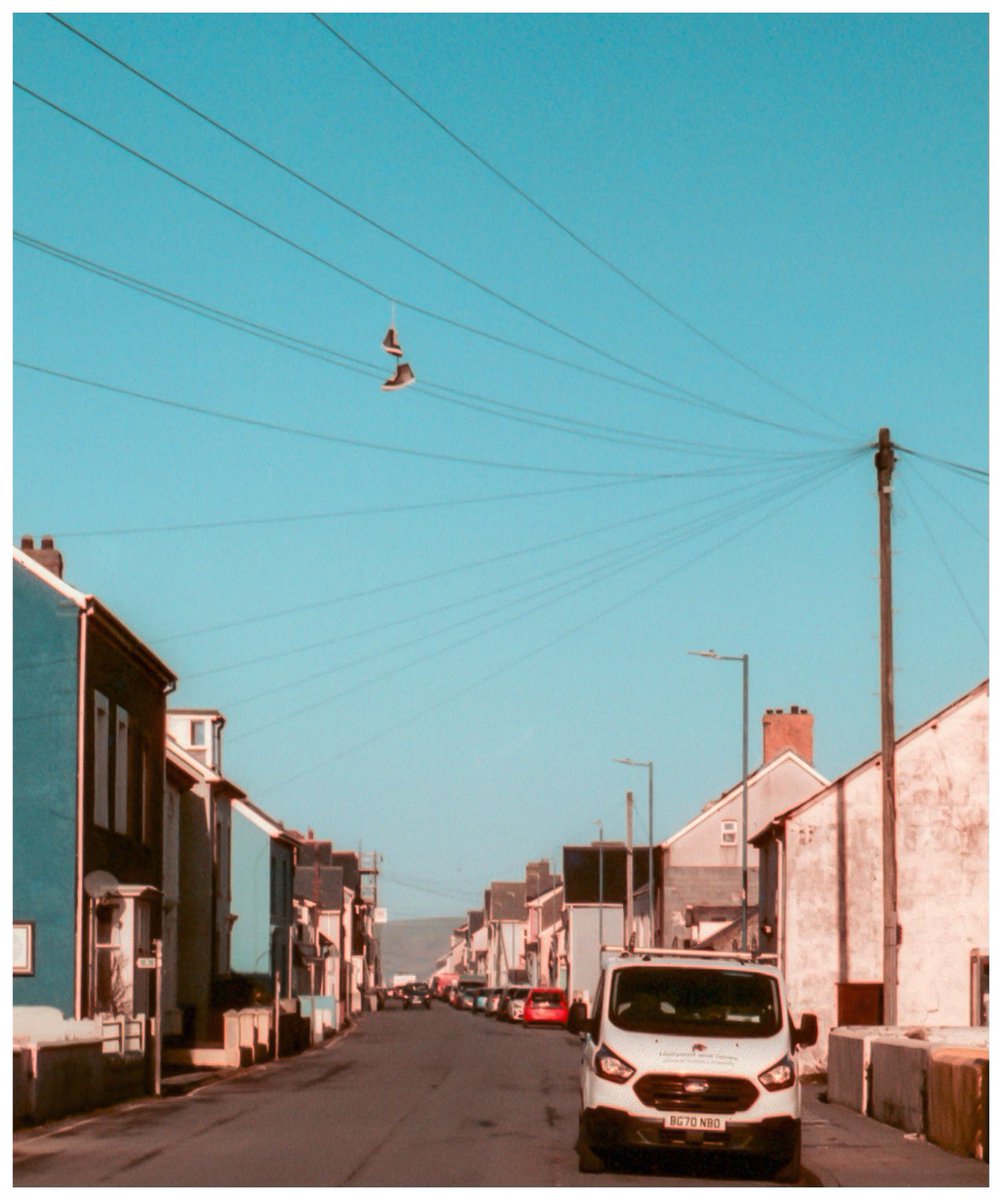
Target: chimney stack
46 555
782 731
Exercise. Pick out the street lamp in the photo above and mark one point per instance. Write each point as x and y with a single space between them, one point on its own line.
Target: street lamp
743 659
629 762
601 885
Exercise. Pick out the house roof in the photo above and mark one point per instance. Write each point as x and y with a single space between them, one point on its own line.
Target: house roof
507 901
186 765
111 624
874 759
710 809
323 885
257 816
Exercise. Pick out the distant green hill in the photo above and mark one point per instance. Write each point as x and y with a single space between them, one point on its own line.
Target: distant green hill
412 947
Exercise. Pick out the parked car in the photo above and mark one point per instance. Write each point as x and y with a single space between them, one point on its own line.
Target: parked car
493 1000
464 993
693 1050
480 1000
545 1006
415 994
462 987
516 1002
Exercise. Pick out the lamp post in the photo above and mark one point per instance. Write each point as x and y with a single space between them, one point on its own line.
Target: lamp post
743 660
629 762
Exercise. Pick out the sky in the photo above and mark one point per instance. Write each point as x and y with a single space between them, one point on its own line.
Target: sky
660 278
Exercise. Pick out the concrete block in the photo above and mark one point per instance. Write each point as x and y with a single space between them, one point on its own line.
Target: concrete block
958 1100
849 1065
898 1070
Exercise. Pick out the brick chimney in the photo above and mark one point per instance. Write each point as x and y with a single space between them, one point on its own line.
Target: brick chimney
793 730
46 555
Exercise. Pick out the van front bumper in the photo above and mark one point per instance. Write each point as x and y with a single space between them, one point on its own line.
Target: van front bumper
612 1128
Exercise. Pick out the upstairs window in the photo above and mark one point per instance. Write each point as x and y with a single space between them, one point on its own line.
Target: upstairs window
121 771
728 833
197 733
102 753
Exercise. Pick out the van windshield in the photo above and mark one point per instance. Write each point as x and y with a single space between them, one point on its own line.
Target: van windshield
688 1000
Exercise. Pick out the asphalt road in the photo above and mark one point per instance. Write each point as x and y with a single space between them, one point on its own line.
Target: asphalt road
407 1098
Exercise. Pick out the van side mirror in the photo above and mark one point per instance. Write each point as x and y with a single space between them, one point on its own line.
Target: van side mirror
807 1033
577 1018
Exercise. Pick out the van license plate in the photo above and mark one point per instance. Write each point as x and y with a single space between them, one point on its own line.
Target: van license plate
693 1121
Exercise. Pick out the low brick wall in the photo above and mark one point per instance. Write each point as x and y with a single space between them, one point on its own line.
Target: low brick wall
957 1100
57 1079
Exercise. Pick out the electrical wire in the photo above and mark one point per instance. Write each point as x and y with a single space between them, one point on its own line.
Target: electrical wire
586 580
407 582
952 507
673 391
254 149
665 308
946 566
358 366
316 435
489 593
537 650
970 472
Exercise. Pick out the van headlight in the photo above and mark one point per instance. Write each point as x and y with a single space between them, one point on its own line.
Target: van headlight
782 1075
610 1066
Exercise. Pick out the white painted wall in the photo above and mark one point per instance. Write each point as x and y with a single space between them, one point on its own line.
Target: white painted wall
833 910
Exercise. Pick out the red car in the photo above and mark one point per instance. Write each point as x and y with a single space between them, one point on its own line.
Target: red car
545 1006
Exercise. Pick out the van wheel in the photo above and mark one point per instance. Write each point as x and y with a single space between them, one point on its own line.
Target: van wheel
589 1163
789 1171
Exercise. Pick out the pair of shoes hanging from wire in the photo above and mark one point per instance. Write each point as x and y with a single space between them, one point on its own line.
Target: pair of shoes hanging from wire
403 374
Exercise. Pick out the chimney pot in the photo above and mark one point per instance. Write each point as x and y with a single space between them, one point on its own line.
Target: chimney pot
46 555
787 731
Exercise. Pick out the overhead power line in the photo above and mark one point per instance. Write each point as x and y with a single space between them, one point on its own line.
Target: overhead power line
490 593
946 566
961 468
621 558
783 505
355 212
288 341
672 390
315 435
578 240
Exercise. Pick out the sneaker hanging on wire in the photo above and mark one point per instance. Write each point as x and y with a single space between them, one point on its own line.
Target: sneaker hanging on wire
403 376
390 343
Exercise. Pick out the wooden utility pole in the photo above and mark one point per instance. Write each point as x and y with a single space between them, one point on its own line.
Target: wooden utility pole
884 461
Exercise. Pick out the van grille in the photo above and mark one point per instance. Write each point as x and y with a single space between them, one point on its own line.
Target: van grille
724 1094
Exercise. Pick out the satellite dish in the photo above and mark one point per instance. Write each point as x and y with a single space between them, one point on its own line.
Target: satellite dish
97 884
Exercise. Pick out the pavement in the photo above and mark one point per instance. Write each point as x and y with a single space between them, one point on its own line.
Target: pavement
840 1147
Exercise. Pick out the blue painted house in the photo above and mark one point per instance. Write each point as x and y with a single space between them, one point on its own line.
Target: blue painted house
262 867
89 704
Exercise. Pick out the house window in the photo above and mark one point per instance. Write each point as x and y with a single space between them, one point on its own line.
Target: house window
146 794
121 770
728 833
198 733
102 749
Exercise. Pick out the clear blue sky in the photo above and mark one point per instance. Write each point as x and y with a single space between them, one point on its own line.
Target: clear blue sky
434 626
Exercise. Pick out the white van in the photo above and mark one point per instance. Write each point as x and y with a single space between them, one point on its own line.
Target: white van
689 1050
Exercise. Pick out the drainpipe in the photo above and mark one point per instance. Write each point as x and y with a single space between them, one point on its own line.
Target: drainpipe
78 964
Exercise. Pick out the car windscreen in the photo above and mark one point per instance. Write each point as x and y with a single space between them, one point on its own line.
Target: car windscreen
546 999
690 1000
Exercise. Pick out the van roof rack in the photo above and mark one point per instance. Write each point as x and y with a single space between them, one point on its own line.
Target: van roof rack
649 952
